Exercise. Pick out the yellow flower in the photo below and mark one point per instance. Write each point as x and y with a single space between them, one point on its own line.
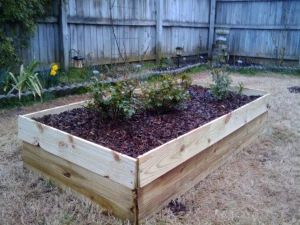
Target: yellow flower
54 67
53 72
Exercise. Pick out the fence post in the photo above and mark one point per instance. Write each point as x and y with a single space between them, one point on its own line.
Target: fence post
212 16
159 28
63 34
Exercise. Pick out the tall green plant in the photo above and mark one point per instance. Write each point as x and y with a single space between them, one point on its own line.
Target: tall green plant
17 23
222 81
27 80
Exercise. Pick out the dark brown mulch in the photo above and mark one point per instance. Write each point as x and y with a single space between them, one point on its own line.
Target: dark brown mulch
294 89
145 130
177 207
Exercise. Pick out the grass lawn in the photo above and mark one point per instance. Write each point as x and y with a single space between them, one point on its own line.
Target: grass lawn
260 185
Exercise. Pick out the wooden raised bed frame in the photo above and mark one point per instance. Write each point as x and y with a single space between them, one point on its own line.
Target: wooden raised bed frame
134 188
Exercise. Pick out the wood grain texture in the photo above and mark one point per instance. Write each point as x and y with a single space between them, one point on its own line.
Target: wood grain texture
134 188
56 110
212 17
116 198
261 28
64 33
164 158
159 192
96 158
258 29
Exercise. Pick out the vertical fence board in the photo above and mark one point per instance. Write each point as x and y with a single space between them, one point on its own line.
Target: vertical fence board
257 29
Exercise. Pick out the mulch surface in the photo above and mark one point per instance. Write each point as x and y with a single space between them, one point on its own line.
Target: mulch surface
294 89
146 130
177 207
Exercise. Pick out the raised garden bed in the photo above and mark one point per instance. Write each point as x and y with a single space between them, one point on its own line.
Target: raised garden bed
133 187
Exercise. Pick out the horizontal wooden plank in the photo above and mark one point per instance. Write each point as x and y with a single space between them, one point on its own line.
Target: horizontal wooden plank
116 198
158 193
254 0
263 56
49 19
98 159
56 110
104 21
131 22
167 23
258 27
164 158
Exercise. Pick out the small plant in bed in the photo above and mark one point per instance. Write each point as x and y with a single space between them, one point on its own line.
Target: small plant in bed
135 118
164 93
114 100
221 87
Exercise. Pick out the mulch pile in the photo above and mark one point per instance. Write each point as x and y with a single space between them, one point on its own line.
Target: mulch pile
177 207
294 89
146 130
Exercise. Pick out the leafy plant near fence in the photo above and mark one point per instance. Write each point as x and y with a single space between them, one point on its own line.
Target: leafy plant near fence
165 92
26 80
17 23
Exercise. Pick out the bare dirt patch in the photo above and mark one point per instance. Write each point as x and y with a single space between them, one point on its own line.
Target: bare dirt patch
261 185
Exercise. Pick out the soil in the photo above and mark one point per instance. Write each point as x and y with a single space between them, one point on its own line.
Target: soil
183 62
177 207
146 130
244 62
294 89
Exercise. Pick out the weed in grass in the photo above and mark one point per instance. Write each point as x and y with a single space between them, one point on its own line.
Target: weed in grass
67 219
149 65
197 69
49 184
75 75
25 101
246 71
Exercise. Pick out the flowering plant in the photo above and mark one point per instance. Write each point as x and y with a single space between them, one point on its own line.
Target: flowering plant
54 69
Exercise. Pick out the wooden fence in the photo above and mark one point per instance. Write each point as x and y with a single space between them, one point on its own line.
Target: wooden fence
105 31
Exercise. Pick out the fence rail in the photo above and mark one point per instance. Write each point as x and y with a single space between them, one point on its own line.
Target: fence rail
106 30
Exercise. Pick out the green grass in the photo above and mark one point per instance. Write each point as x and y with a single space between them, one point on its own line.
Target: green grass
29 100
148 65
245 71
75 75
25 101
197 69
253 71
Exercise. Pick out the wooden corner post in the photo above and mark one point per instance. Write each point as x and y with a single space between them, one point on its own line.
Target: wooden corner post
63 34
159 28
212 17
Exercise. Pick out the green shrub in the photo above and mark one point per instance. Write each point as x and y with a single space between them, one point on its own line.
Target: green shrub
164 93
76 75
221 85
17 23
114 100
27 80
50 76
241 88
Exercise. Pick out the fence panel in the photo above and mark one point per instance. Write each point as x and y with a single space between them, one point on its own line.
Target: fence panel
104 31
